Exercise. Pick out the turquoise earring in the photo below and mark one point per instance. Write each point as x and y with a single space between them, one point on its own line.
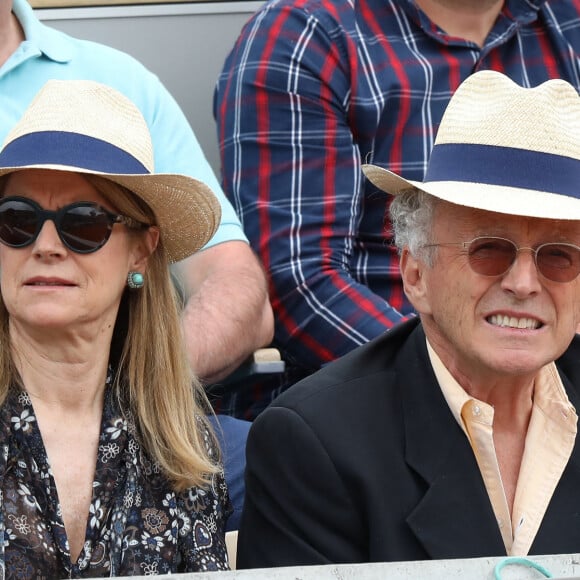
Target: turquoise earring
135 280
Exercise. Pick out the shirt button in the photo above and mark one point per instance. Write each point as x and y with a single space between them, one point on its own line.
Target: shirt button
476 410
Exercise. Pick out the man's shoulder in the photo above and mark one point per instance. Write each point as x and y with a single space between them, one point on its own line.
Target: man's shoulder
84 58
569 363
329 15
360 374
310 6
102 62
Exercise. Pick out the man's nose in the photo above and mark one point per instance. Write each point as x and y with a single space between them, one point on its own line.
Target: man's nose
523 277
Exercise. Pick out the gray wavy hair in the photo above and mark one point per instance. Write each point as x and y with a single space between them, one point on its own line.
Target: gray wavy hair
411 214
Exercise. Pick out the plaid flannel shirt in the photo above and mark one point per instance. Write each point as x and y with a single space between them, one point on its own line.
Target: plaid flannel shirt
314 88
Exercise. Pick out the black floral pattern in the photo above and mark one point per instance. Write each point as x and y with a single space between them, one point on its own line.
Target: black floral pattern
136 524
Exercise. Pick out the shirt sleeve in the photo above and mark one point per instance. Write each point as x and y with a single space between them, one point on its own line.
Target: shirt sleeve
292 168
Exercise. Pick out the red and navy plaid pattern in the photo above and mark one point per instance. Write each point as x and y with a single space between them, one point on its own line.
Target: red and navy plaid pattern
314 88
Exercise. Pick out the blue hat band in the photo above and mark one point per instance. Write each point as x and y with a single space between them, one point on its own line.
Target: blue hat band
65 148
505 166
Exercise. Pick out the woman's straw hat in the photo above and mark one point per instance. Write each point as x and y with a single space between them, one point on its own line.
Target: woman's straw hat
88 127
504 148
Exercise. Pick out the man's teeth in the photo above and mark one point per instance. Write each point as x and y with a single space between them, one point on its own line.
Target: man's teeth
513 322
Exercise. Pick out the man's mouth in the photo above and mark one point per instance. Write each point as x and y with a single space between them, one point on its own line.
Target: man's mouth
514 322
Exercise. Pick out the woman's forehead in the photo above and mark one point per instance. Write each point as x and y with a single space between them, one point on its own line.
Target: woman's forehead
51 187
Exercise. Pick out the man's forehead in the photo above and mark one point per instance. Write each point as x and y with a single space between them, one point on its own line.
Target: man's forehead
462 218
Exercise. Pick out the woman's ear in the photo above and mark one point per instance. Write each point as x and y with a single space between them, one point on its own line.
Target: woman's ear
413 273
145 245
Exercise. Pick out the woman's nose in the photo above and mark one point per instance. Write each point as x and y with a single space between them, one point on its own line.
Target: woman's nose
48 241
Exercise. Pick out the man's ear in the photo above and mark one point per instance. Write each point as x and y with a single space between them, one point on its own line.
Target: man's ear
144 248
414 273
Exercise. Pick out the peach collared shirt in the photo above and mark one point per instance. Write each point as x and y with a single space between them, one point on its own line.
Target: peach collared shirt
549 442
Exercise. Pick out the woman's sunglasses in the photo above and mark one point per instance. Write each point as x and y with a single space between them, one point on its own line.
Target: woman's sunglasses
490 256
83 227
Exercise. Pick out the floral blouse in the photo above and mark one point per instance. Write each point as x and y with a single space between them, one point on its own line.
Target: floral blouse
136 524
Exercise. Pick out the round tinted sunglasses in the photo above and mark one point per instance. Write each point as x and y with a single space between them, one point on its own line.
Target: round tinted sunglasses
83 227
490 256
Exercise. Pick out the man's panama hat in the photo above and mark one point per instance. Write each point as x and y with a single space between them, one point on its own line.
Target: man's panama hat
504 148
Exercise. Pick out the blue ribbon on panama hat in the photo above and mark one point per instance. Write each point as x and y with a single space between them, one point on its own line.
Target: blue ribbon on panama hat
89 127
504 148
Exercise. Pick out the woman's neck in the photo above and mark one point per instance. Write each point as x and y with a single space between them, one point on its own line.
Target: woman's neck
66 374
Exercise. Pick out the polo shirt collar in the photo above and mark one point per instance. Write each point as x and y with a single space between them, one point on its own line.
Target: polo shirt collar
51 43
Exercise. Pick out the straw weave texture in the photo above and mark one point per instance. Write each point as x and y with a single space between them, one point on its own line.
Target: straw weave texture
490 109
186 210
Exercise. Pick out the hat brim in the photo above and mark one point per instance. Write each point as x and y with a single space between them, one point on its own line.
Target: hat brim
186 210
493 198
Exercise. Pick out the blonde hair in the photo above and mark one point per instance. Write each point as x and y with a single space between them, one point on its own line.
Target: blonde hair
153 375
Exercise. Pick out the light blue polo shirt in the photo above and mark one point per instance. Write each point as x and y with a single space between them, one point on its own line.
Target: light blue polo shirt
50 54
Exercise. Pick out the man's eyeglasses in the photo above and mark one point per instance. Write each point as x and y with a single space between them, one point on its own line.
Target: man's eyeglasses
83 227
490 256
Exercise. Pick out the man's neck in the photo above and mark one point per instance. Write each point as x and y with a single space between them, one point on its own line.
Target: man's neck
468 19
11 33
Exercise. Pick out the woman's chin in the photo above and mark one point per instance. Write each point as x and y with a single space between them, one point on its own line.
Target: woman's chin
51 320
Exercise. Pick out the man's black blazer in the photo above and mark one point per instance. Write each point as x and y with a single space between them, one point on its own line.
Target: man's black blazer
364 462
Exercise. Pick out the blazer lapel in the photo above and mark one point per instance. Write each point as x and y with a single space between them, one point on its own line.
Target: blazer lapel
560 528
455 510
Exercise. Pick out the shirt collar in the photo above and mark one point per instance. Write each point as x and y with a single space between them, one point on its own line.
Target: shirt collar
549 392
522 11
52 43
